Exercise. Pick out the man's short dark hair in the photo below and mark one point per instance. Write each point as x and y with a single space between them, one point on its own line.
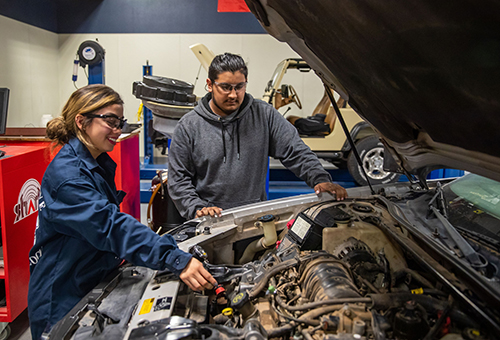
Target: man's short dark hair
227 62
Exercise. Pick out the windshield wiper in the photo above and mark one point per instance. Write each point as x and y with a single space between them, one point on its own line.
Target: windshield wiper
464 246
440 201
491 242
442 214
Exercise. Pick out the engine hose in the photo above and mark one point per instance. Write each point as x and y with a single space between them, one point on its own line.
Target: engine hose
229 331
368 284
150 205
430 291
386 301
322 303
252 249
307 322
387 270
280 331
416 276
263 282
306 335
311 315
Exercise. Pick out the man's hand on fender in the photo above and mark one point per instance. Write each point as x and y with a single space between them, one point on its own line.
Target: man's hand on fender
196 276
212 211
335 189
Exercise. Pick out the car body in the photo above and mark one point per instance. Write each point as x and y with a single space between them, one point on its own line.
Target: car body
415 260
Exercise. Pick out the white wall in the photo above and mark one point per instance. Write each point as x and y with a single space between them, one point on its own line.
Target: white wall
37 66
29 68
170 56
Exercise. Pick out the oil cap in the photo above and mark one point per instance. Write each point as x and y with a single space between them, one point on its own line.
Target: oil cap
239 300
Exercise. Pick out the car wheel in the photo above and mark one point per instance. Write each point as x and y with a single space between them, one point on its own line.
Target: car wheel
5 333
371 151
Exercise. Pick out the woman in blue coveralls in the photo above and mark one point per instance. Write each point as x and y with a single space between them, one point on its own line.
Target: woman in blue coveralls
81 235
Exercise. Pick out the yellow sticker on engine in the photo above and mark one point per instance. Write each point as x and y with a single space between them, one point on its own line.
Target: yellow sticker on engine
417 291
146 306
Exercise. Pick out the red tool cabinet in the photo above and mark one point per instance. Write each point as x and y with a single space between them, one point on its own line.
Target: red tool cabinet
125 154
21 172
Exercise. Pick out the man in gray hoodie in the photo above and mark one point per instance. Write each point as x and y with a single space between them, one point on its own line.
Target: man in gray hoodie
219 154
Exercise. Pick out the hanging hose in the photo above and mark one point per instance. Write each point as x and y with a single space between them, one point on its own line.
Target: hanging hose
157 187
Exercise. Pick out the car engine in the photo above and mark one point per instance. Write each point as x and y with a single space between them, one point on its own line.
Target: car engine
333 270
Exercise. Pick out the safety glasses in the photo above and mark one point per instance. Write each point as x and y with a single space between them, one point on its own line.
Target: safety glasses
228 88
113 121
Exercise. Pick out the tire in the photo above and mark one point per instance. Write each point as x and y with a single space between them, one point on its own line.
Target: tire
165 91
371 151
5 333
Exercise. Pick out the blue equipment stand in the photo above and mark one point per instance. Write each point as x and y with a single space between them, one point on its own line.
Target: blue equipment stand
147 116
148 167
96 73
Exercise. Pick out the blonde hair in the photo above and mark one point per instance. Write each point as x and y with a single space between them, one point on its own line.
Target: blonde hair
88 99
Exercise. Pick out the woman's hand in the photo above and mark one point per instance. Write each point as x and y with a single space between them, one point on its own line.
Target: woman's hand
196 276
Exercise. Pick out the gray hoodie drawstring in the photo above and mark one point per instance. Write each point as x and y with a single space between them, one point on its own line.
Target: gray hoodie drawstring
238 135
223 139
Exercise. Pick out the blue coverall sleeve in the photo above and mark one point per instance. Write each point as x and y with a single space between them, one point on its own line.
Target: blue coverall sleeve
81 211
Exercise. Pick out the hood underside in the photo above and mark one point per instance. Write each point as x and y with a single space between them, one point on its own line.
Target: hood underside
425 74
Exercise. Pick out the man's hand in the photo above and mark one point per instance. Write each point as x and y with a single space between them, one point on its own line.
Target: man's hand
212 211
197 277
332 188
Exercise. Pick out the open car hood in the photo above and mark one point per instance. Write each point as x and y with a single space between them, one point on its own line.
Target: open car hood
425 75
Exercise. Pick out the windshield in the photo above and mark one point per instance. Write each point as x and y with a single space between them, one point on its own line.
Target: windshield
276 73
474 204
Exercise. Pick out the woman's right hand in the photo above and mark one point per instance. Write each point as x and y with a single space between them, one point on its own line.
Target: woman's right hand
196 276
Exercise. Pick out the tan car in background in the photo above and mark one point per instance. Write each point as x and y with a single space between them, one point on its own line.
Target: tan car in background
321 132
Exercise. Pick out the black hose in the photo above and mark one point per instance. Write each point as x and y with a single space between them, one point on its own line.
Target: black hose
387 270
307 322
312 314
280 331
430 291
368 284
274 270
416 276
322 303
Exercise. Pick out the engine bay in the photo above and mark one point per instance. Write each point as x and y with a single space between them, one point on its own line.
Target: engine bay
329 270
